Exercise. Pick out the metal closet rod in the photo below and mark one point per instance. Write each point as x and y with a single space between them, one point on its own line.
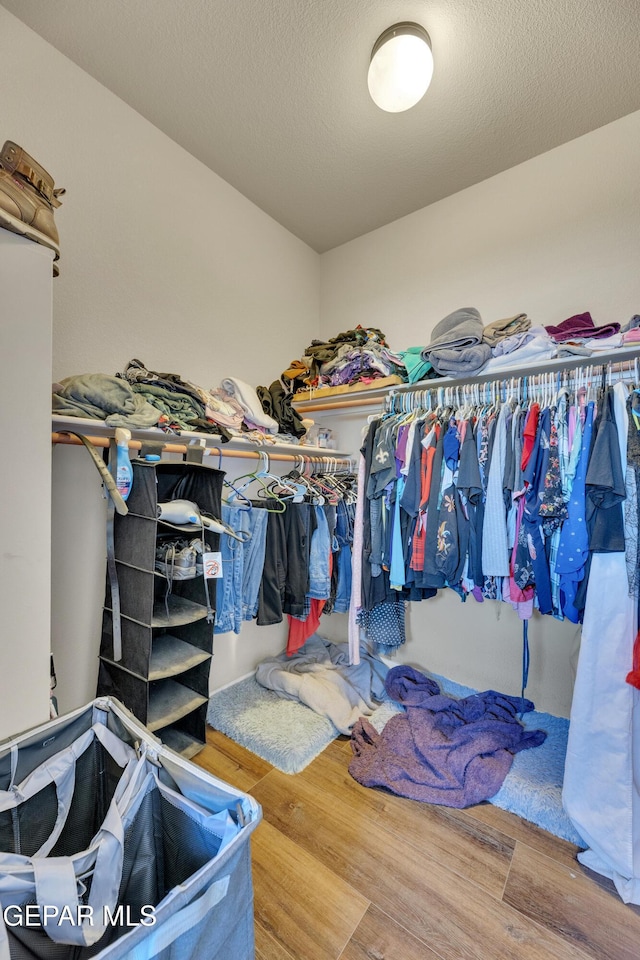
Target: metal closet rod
211 451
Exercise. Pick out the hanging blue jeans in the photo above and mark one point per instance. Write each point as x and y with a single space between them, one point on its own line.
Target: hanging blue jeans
319 579
342 554
254 550
229 587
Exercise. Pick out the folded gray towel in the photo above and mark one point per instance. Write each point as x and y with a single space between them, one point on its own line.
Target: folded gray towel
460 361
462 328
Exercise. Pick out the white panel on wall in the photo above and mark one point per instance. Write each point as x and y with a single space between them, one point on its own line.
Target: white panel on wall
25 483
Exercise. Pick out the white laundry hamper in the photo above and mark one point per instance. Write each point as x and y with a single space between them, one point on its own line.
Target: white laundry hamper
112 846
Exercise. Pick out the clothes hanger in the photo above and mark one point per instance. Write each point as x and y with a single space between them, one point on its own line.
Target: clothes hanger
316 494
272 487
294 480
248 477
258 476
280 485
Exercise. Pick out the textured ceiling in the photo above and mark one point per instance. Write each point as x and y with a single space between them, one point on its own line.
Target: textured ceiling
272 94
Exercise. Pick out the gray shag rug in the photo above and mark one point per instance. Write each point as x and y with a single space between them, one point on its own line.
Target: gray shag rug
284 732
289 736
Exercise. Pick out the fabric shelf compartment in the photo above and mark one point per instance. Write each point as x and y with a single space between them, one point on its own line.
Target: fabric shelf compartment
139 639
187 734
181 742
157 703
176 612
143 597
171 656
169 701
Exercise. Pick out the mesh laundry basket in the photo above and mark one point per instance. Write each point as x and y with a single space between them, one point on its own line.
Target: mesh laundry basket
112 846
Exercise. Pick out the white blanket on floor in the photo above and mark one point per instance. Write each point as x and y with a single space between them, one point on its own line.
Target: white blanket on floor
320 676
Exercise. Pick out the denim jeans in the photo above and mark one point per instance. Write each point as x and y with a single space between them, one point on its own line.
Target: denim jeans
342 554
253 551
229 587
319 579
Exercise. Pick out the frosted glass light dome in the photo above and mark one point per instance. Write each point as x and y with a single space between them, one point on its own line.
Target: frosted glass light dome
401 67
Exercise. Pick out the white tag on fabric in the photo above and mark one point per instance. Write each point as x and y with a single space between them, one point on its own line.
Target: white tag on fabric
212 565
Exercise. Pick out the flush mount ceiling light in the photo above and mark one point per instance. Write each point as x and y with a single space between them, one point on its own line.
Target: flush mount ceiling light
401 67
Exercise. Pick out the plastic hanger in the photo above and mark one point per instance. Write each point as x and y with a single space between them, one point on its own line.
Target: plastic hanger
259 476
243 501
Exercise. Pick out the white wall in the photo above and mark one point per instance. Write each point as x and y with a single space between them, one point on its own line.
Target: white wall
555 236
161 260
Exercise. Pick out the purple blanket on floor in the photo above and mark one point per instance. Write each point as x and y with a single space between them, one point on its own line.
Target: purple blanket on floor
441 750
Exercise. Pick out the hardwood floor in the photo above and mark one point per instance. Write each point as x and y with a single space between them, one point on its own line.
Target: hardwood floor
342 872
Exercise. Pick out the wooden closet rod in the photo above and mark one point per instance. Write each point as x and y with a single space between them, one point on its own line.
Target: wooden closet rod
211 451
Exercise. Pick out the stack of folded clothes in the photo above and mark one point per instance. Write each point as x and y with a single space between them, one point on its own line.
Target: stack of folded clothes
418 368
460 346
630 333
579 335
498 331
178 400
457 348
360 355
254 416
140 398
529 346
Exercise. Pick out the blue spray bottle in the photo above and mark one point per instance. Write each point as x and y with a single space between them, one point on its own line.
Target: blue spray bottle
124 472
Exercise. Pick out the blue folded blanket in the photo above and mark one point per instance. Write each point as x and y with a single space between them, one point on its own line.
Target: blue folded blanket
441 750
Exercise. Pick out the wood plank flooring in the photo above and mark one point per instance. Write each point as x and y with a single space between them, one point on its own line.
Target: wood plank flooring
342 872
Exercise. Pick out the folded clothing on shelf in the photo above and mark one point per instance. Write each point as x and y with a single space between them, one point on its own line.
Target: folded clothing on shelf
254 415
498 330
462 328
418 368
276 403
460 361
532 352
581 326
101 397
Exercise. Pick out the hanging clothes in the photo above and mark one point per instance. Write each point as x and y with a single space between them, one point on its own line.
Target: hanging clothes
533 501
502 498
601 792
